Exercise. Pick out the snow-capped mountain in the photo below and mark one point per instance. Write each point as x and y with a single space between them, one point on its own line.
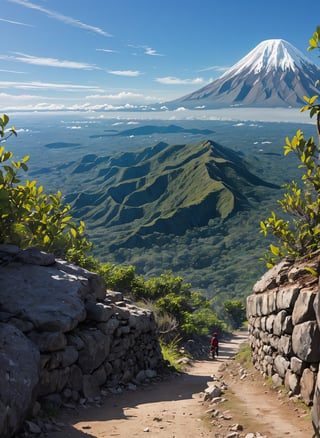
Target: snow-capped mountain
273 74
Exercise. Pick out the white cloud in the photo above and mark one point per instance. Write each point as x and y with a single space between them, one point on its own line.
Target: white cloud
28 102
146 50
170 80
131 73
10 97
101 107
119 96
48 62
218 68
21 130
16 22
106 50
12 71
34 85
151 52
124 97
60 17
32 102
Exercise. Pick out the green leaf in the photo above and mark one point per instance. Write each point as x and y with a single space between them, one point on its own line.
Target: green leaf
313 43
304 108
4 120
313 99
263 227
66 219
275 250
24 167
73 232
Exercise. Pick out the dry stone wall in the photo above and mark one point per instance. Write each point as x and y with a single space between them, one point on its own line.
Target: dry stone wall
284 320
64 338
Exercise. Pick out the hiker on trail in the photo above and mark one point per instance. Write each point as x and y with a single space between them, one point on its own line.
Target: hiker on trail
214 345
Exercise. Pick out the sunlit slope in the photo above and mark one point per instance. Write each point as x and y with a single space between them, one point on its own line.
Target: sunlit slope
164 189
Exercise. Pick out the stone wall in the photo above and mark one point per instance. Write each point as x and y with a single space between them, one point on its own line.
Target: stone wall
284 320
64 338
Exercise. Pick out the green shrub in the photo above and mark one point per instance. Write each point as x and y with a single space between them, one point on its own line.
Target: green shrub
244 355
28 216
171 353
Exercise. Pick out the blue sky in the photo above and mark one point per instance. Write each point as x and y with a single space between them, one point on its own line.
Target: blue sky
110 54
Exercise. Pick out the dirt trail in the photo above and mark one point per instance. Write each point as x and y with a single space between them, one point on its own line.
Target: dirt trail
175 408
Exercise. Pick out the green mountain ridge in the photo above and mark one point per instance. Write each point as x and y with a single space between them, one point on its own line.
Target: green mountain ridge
164 189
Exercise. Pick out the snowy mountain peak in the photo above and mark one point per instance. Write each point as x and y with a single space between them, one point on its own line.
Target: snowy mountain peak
273 74
272 54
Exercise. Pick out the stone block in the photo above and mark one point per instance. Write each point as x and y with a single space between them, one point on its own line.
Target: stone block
286 297
316 407
95 352
278 322
316 306
285 345
251 306
306 341
303 309
307 383
269 323
292 382
287 326
48 341
99 312
277 381
297 365
269 280
267 302
281 365
19 377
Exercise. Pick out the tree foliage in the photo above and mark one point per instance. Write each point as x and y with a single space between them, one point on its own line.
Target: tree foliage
179 309
235 312
298 232
28 216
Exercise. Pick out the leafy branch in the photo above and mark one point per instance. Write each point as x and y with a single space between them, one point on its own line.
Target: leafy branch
28 216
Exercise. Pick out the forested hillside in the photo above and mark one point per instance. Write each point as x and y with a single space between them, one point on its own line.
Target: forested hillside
193 209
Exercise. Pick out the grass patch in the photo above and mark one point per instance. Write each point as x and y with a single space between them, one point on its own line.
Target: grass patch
171 353
244 355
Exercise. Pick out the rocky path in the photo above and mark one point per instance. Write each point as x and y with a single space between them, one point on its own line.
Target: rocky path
175 408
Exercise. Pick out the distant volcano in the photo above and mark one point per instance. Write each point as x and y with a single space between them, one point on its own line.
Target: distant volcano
274 74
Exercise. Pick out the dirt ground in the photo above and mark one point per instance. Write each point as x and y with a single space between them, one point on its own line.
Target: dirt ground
175 407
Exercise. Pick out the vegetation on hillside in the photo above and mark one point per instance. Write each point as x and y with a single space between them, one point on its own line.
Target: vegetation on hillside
29 217
298 230
191 208
163 189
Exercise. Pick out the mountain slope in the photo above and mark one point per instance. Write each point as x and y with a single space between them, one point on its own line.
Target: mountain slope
273 74
164 189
